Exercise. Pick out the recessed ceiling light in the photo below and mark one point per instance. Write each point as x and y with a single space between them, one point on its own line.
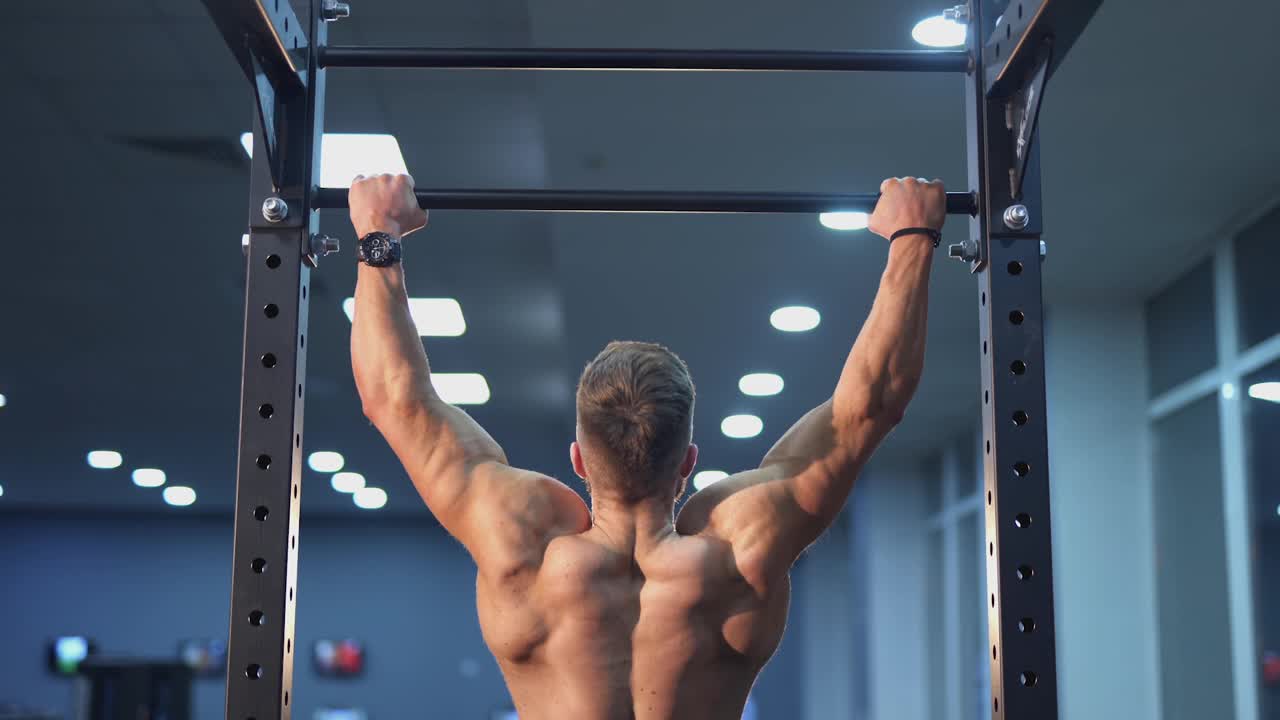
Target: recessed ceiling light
345 155
434 317
3 400
1265 391
148 477
795 318
708 477
370 498
105 459
742 426
939 32
760 384
1 491
347 482
325 461
1228 391
461 388
844 220
179 495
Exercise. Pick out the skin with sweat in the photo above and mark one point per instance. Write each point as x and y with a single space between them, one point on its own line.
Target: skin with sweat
622 610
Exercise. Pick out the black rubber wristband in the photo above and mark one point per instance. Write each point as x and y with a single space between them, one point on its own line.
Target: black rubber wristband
934 235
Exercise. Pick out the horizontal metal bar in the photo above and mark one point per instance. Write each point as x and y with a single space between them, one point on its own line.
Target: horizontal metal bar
646 60
643 201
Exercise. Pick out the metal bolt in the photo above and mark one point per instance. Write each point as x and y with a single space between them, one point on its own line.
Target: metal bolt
333 10
1044 249
322 245
274 209
959 13
966 251
1016 217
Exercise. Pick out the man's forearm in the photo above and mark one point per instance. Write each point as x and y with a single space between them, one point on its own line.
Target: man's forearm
887 360
387 355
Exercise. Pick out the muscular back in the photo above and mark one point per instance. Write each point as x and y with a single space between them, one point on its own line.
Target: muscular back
670 631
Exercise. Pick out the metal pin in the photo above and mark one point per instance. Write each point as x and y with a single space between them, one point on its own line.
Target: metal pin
332 10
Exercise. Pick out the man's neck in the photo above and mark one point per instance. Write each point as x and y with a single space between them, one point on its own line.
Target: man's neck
635 526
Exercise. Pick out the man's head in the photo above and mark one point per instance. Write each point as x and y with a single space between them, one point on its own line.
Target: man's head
635 423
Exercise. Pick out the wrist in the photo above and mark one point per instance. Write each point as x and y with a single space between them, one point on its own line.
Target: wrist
389 227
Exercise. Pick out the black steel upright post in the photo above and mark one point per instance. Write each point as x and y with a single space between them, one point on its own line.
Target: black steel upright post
1015 444
282 220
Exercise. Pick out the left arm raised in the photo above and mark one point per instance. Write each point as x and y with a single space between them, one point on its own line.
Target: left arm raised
462 474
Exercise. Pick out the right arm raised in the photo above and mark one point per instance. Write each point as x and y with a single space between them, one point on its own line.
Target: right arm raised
771 514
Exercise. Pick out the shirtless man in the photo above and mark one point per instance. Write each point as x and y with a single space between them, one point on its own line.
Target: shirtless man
621 610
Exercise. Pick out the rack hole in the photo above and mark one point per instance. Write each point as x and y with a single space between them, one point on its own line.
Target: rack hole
1016 317
995 703
266 410
1021 469
1019 11
1015 267
986 397
291 594
997 55
302 341
1017 367
988 497
304 292
993 602
991 549
286 698
288 645
264 461
295 491
1026 572
268 360
258 565
293 544
1008 30
1020 418
271 310
260 513
297 441
253 671
984 299
1026 625
984 347
988 447
273 261
1028 679
257 619
1022 520
994 653
299 390
286 24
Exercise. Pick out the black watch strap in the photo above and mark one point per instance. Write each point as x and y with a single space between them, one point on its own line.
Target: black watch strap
379 249
934 235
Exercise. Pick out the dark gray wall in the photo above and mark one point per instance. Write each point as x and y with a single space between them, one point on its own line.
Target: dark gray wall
137 584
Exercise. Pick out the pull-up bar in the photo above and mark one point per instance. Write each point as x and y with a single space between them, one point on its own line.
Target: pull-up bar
644 202
643 59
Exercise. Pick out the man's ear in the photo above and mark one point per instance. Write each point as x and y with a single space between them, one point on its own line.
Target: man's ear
690 460
575 457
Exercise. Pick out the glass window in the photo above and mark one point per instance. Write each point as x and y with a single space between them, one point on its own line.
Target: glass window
932 470
1181 333
1262 428
937 600
1257 289
973 665
1191 577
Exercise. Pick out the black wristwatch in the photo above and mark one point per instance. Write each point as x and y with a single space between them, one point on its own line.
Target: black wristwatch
378 249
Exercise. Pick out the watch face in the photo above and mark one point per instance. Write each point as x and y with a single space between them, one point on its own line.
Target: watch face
378 249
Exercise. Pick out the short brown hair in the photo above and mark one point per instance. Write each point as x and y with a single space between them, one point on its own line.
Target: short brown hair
636 401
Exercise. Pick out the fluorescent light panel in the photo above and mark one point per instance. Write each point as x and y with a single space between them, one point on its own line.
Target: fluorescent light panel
434 317
325 461
1265 391
370 498
939 32
795 318
760 384
345 155
105 459
148 477
708 477
179 495
844 221
742 426
347 482
461 388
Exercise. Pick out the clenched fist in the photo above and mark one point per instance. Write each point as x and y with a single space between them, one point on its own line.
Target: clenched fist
907 203
385 203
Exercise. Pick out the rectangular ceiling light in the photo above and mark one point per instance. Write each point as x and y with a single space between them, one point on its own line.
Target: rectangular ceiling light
434 317
461 388
345 155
